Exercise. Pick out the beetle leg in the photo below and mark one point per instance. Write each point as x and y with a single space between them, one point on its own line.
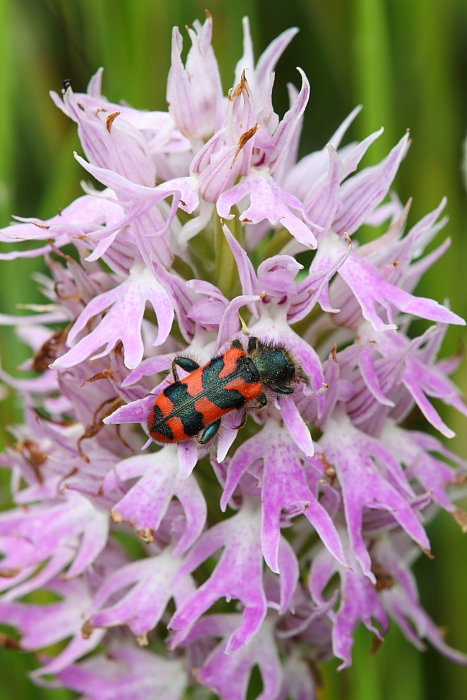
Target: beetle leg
174 370
253 344
209 432
185 363
262 402
302 377
242 422
283 389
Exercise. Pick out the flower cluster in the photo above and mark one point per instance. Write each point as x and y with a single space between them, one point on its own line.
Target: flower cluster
205 213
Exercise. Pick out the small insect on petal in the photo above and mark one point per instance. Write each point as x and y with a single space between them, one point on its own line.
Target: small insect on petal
193 406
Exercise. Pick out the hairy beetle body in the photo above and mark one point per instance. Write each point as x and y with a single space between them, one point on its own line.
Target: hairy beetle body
196 403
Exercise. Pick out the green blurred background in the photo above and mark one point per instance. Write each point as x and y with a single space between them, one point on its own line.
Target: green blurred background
404 60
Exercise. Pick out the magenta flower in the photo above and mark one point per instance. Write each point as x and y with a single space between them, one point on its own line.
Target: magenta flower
260 547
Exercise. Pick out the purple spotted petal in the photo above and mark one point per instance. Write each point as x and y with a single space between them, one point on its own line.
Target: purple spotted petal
351 453
229 673
298 681
364 191
359 602
151 583
39 530
132 674
123 320
237 575
296 426
146 503
284 487
268 201
371 289
194 91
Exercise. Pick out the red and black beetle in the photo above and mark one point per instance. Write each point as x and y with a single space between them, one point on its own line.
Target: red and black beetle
197 403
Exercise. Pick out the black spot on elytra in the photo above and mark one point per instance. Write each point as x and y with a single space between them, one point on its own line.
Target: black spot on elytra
178 395
192 420
215 388
183 408
211 373
158 424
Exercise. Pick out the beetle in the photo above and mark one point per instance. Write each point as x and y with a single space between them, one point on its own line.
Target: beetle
195 404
